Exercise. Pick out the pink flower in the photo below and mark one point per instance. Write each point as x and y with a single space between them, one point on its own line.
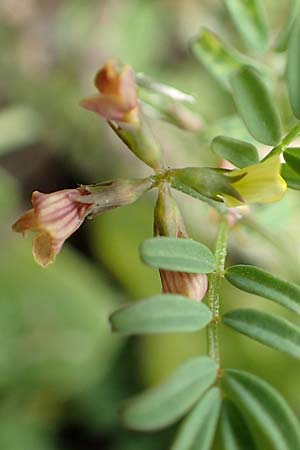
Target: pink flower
118 97
55 217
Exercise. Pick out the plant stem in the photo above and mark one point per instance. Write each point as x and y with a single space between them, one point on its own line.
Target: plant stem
288 139
214 290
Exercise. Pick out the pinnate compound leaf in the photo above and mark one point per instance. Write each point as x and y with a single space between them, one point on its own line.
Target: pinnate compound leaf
178 255
165 404
249 19
198 429
267 414
161 314
293 69
269 329
239 153
284 36
292 157
257 281
256 106
234 430
291 177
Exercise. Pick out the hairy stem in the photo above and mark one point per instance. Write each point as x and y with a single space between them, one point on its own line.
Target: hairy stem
286 140
214 290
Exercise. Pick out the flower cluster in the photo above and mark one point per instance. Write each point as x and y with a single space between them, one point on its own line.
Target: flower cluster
56 216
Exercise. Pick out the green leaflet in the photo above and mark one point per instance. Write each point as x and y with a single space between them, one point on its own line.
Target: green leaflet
257 281
239 153
198 429
265 411
249 19
234 430
290 176
293 69
179 255
161 314
269 329
292 157
283 38
163 405
256 106
218 58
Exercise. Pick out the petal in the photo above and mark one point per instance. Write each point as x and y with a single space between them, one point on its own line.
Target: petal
43 249
26 222
262 183
111 108
107 79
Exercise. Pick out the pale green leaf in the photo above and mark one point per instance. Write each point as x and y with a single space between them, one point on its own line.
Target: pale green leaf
165 404
179 255
161 314
249 19
239 153
256 106
293 69
269 329
284 36
234 430
267 414
198 429
259 282
218 58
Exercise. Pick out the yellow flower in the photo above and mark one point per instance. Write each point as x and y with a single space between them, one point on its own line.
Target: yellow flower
117 100
261 183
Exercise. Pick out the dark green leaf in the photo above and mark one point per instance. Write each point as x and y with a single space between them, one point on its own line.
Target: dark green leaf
267 414
292 157
283 38
234 430
178 255
163 405
293 69
291 177
239 153
269 329
259 282
161 314
249 19
255 106
198 429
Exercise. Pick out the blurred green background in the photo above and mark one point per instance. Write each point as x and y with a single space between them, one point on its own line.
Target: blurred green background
63 374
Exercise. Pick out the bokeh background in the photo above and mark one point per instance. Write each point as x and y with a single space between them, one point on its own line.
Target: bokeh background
63 374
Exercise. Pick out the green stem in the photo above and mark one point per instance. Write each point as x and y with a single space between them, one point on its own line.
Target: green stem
288 139
214 290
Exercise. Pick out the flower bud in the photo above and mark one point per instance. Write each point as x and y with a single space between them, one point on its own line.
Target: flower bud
112 194
169 104
169 222
118 98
